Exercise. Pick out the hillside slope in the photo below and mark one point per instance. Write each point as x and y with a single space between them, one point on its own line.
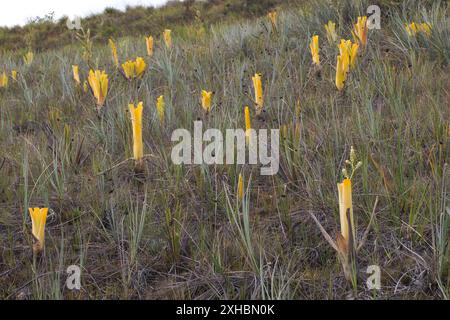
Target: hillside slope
44 33
156 230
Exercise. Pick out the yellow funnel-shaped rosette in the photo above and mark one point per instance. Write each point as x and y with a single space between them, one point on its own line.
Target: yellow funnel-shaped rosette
98 81
38 220
206 100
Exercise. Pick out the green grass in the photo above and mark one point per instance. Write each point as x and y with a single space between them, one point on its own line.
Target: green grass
178 231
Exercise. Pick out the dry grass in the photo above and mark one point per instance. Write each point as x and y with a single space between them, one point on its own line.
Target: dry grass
176 231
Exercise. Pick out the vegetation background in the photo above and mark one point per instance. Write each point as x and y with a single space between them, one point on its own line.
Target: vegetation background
178 231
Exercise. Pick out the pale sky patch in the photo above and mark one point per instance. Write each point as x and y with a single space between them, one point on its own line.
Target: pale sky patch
18 12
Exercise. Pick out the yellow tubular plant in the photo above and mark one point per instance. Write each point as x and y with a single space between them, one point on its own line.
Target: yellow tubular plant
344 51
259 98
341 73
248 125
76 74
160 108
136 121
206 100
141 66
28 58
149 45
345 204
98 81
240 188
273 19
134 69
425 28
348 53
345 241
346 244
314 47
413 28
167 35
3 80
330 28
113 47
38 220
360 31
353 54
129 69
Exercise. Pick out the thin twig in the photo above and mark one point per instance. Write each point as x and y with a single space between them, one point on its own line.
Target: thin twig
366 232
324 232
